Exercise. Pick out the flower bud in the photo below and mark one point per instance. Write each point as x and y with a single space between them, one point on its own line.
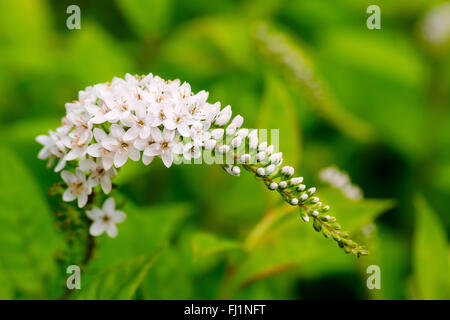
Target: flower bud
236 142
245 158
237 121
210 144
224 116
217 133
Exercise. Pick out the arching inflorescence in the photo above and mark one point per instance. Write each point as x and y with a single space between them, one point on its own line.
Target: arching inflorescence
143 117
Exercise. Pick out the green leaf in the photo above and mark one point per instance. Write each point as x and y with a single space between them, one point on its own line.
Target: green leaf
120 282
430 261
28 240
278 112
204 244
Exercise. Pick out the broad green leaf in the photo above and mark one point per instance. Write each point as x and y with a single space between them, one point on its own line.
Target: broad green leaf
119 282
168 278
277 112
145 229
147 17
430 261
283 52
204 244
28 239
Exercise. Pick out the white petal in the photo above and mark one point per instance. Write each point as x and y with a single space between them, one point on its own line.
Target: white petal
111 230
68 196
80 175
153 150
109 205
119 216
106 184
94 214
107 162
140 144
168 135
134 154
145 132
99 134
110 143
61 164
156 135
169 124
82 200
95 150
97 228
131 134
117 131
68 177
183 129
146 159
87 165
120 158
167 158
73 154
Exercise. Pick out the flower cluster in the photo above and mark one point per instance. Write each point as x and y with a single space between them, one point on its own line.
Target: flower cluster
340 180
142 117
134 118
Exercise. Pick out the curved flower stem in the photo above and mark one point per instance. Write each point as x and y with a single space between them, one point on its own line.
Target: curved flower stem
310 208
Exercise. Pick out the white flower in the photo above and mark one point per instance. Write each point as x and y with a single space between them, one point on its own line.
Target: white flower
178 119
98 151
120 110
164 146
192 150
139 124
98 174
122 149
200 132
77 187
105 219
52 148
142 144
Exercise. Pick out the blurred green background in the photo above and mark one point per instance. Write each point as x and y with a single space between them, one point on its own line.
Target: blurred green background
382 115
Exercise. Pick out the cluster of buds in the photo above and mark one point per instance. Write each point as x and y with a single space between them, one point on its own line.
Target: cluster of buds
143 117
294 192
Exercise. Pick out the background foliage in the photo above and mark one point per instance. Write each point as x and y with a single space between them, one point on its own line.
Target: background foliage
384 118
